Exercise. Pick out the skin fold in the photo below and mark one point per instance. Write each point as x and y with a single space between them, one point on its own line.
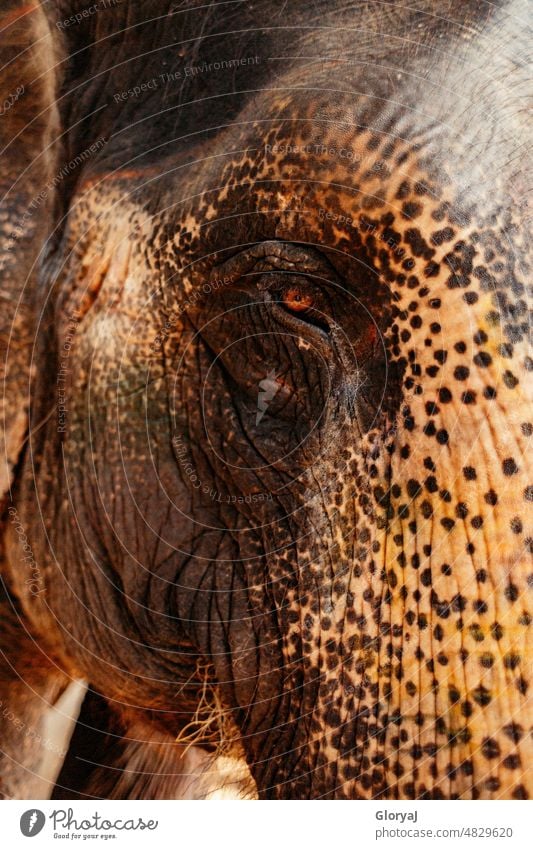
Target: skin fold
267 399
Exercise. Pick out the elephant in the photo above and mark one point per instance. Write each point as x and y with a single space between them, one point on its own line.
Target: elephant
266 398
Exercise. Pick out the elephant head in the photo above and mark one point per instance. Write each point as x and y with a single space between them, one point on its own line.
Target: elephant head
275 474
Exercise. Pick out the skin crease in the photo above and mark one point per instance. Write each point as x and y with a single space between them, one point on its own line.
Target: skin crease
347 578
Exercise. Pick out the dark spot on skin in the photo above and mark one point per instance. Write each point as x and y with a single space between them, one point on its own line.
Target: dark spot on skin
477 634
411 209
438 632
510 380
467 767
453 694
513 731
432 269
441 236
459 602
490 748
482 359
511 592
520 792
461 372
417 243
522 686
482 696
496 631
509 466
426 509
422 188
431 484
425 577
511 761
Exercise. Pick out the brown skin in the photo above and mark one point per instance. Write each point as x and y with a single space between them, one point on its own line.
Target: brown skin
345 579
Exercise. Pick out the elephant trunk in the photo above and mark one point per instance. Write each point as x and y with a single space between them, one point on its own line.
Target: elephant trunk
403 638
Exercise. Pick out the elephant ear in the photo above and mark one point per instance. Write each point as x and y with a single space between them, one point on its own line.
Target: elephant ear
29 129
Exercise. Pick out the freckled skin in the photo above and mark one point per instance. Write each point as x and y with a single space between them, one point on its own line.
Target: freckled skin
359 236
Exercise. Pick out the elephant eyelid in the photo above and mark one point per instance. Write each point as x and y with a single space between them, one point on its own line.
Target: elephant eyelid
265 260
311 318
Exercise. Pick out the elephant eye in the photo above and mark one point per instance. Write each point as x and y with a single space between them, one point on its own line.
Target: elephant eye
295 300
299 302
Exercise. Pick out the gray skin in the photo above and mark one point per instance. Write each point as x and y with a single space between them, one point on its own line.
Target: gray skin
267 397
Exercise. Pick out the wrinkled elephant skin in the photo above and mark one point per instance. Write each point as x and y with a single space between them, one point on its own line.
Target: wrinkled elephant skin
277 488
